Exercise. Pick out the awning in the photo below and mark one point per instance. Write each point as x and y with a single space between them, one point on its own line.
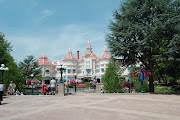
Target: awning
74 70
102 69
69 70
88 70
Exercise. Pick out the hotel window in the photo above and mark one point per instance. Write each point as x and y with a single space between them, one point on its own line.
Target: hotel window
47 67
97 62
47 71
86 66
54 74
74 71
88 71
69 71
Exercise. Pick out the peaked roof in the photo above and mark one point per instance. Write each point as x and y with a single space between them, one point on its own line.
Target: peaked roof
106 50
70 52
43 56
89 53
69 56
106 54
43 60
88 46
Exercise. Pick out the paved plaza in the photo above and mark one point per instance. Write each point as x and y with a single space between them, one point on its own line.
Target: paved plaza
91 106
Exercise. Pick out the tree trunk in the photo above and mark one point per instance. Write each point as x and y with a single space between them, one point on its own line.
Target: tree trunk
151 85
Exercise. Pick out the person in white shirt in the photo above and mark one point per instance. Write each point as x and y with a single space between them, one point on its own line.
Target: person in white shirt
1 92
53 86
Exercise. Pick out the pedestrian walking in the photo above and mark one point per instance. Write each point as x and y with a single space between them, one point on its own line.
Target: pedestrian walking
53 86
1 92
12 87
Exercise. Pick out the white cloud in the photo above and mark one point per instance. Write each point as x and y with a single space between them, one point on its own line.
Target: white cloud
56 46
44 14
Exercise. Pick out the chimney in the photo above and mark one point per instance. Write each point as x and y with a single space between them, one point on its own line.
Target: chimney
78 54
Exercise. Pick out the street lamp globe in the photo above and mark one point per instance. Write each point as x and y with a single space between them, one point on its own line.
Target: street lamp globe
2 68
32 75
2 65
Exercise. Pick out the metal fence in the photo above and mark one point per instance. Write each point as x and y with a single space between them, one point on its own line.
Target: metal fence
79 88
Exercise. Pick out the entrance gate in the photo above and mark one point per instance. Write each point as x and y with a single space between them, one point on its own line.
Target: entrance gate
84 87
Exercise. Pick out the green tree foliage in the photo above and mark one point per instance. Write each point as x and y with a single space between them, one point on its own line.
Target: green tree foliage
13 74
5 48
142 30
112 77
30 66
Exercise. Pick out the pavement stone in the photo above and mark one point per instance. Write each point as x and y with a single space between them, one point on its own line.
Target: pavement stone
91 106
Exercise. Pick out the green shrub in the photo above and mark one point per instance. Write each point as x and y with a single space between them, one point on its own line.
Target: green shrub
137 85
164 90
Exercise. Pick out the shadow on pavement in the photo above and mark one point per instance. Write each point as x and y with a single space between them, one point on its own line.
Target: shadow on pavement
4 103
5 97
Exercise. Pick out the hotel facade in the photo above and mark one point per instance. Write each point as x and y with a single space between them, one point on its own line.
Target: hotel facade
87 67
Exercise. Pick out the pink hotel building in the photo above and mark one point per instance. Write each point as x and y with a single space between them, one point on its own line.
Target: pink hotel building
88 67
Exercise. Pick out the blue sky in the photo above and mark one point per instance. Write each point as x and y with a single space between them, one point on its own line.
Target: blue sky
52 27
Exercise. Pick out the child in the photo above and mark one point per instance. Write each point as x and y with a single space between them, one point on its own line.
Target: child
44 89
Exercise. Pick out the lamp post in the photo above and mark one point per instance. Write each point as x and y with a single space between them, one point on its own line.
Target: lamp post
2 68
142 78
32 84
61 68
75 82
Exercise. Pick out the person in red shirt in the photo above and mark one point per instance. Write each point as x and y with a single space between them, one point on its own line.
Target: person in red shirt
43 90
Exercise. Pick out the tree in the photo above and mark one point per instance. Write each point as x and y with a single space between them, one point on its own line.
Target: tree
30 66
139 30
13 74
112 77
5 48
